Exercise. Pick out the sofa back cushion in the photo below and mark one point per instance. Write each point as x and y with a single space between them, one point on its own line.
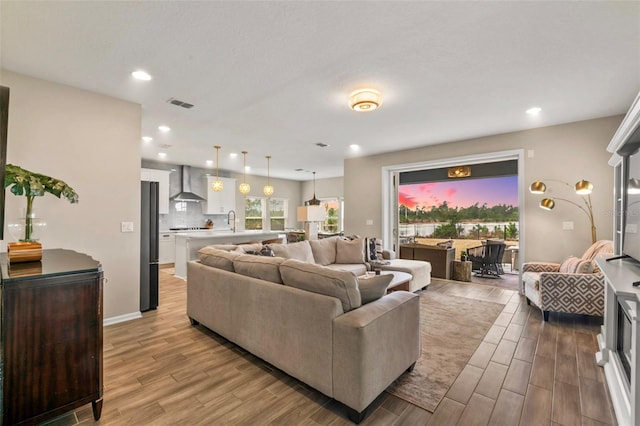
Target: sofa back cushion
324 250
217 258
261 267
299 251
574 265
318 279
350 251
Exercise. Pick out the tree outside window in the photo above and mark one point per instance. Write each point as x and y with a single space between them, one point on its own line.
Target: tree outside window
278 209
253 213
332 222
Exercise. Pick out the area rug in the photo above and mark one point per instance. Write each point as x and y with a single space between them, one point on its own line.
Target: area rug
452 329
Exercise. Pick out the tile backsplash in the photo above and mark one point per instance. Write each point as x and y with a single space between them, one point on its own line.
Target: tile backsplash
184 214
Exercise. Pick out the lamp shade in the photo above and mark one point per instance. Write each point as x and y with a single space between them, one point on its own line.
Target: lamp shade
547 203
537 187
311 214
584 187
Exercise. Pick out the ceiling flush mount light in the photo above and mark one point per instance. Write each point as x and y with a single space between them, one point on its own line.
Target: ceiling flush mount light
217 185
147 139
268 189
162 154
244 187
459 172
583 188
164 128
354 147
365 100
141 75
534 111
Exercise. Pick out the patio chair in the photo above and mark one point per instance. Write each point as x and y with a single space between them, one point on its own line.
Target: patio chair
486 260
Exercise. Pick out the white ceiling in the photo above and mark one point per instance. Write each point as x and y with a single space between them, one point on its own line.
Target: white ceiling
273 78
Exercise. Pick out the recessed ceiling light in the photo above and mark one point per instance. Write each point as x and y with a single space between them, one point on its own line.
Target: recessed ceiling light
533 111
209 162
147 138
354 147
162 154
233 155
164 128
141 75
247 168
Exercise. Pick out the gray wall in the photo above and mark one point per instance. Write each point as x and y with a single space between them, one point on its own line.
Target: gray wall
325 188
567 152
92 142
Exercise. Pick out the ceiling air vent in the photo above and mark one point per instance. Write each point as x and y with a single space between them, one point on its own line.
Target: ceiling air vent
322 144
164 146
179 103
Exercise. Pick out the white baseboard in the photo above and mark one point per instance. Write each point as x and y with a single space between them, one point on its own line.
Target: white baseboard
121 318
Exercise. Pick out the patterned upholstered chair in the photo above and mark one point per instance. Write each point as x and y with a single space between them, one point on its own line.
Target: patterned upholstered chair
575 286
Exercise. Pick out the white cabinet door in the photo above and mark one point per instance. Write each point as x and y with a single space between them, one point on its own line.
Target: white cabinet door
220 202
162 177
167 248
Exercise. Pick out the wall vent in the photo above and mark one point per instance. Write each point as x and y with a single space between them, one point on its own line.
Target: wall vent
179 103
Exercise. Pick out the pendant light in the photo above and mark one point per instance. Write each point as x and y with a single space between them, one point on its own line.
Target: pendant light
244 187
217 185
268 189
314 201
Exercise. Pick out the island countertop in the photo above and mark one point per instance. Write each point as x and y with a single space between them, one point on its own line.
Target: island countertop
188 243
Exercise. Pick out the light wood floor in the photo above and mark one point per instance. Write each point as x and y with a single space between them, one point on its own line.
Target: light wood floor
160 370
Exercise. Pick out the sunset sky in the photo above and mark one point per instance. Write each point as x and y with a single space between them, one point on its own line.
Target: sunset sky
461 193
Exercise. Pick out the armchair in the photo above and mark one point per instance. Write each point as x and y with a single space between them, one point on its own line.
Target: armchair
575 286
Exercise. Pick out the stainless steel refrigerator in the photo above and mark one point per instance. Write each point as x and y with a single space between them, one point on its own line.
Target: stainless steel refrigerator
149 246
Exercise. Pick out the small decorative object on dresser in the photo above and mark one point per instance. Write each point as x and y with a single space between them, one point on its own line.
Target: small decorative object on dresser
31 185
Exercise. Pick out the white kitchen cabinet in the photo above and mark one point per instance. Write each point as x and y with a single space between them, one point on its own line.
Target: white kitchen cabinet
167 247
219 202
162 177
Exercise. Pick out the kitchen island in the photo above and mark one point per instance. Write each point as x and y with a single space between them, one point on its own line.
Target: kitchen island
188 243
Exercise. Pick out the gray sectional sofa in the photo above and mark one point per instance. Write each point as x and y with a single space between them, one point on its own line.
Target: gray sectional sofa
316 323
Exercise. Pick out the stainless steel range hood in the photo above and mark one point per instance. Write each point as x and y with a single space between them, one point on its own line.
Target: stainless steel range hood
185 193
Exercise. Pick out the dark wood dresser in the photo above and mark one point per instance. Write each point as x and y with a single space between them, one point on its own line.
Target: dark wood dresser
50 336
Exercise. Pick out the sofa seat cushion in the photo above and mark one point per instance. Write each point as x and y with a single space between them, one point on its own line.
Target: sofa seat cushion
318 279
356 269
261 267
217 258
373 288
324 250
350 251
298 251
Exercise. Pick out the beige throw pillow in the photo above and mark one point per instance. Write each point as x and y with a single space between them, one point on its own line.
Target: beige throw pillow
216 258
373 288
319 279
299 251
324 250
261 267
350 251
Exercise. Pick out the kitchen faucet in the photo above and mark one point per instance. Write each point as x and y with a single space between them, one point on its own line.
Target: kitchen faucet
234 220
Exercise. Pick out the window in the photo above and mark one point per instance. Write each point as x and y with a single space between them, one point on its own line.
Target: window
278 209
265 213
333 222
253 213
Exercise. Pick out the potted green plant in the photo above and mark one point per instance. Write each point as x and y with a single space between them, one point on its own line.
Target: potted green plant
31 185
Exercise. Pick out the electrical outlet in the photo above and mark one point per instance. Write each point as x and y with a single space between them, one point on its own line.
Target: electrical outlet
567 226
530 153
126 226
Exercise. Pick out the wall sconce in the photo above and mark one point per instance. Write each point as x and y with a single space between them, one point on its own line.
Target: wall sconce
583 188
459 172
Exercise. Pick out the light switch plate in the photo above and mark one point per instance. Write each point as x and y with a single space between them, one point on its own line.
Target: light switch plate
567 226
369 222
126 226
